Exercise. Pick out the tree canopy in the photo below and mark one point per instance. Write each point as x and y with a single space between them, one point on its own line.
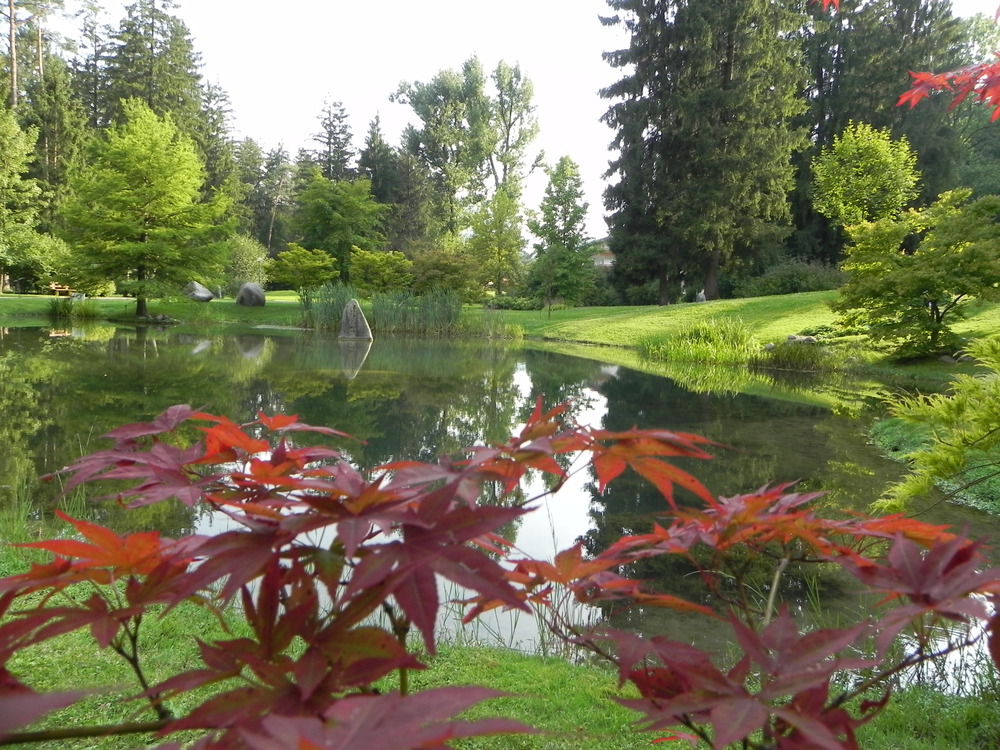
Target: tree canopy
137 216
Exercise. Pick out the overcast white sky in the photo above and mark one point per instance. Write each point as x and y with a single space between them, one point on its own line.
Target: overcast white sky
279 61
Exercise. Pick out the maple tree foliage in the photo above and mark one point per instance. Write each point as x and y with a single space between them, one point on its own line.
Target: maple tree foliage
981 80
306 670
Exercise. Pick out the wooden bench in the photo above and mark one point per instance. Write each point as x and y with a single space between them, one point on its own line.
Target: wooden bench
58 289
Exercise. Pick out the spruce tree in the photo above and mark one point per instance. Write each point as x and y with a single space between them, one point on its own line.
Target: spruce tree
335 154
703 135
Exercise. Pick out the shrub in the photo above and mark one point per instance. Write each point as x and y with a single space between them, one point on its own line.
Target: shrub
791 277
246 262
317 549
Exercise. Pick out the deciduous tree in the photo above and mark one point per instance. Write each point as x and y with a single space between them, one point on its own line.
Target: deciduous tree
864 176
562 265
136 215
336 216
907 294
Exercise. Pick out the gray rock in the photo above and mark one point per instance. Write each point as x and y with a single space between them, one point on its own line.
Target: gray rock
354 324
197 292
251 295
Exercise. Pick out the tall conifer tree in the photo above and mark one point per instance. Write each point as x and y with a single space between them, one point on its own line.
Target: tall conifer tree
703 135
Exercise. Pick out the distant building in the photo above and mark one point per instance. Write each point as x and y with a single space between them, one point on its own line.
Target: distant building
601 256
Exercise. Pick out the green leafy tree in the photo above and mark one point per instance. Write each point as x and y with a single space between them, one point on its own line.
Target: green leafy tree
276 200
380 272
864 176
302 270
513 126
909 296
856 61
136 215
562 266
336 216
20 253
454 138
246 262
703 134
496 242
447 267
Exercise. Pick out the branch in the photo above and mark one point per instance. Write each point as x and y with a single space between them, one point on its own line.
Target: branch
109 730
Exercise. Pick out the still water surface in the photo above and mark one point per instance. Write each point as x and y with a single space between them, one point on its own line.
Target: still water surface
60 389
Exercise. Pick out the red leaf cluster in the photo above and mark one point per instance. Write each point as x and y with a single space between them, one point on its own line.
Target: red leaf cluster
317 551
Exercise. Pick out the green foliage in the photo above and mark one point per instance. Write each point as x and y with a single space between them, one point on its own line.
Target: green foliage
246 262
380 272
336 216
719 341
136 216
496 242
302 270
328 303
436 313
962 449
864 176
909 295
790 277
562 266
447 268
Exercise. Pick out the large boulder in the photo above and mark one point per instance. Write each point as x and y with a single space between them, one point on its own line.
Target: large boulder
354 324
250 295
197 292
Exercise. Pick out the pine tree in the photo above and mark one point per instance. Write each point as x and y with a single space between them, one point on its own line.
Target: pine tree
51 109
153 60
335 154
703 134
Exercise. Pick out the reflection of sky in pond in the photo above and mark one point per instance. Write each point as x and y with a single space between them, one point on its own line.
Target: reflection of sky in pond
411 399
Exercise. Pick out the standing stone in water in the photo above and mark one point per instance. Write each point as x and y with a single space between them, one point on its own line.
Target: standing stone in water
353 324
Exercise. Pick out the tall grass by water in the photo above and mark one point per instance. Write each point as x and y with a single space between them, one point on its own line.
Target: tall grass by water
718 341
435 313
73 308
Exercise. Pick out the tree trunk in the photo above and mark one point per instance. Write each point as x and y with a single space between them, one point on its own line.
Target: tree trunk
663 293
712 276
12 42
141 308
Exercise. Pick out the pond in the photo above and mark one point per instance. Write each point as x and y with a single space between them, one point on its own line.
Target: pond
60 389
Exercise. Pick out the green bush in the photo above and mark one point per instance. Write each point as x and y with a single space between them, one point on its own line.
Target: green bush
790 277
515 303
